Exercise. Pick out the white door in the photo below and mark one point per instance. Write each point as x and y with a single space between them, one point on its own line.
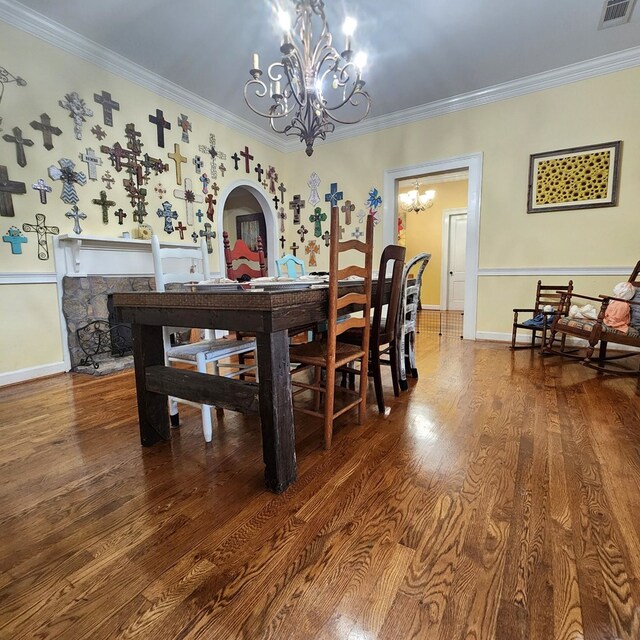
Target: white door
456 262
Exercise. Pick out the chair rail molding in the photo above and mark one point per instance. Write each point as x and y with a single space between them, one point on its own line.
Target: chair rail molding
27 277
554 271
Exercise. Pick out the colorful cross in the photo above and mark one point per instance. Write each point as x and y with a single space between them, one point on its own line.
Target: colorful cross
283 216
43 188
294 248
311 250
197 162
357 234
161 125
317 217
108 180
194 237
295 205
208 234
314 183
236 160
104 204
68 177
181 229
326 236
76 215
41 229
78 112
185 125
199 215
168 215
20 143
374 200
334 195
259 170
160 190
108 106
15 237
210 200
7 189
45 127
272 175
179 159
99 132
348 208
302 232
282 241
187 194
247 156
204 178
92 163
119 213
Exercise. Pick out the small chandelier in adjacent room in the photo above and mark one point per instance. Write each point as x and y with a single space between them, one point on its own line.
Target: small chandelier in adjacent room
312 87
415 201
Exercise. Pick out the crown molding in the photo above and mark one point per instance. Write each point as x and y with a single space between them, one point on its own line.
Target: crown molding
34 23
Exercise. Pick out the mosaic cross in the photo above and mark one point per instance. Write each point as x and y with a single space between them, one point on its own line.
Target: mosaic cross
282 214
187 194
16 239
7 189
69 178
99 132
357 234
199 214
161 125
179 159
78 112
120 214
317 217
276 201
294 249
41 230
223 169
108 106
93 162
43 188
194 237
236 160
282 241
334 196
204 179
247 157
214 155
76 215
326 236
295 205
108 180
312 249
168 215
259 170
347 208
104 204
185 125
208 234
160 190
20 143
210 200
314 183
181 229
302 232
47 130
272 176
197 163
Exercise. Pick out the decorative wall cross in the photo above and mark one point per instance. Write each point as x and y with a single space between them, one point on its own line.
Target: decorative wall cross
189 198
7 189
76 215
194 237
214 155
295 205
223 169
160 190
247 156
197 163
69 178
283 216
314 183
259 170
47 130
41 229
282 241
326 236
161 125
179 159
78 112
302 232
357 234
208 234
185 125
134 144
43 188
348 208
108 180
334 196
210 200
276 201
317 217
341 229
374 200
272 176
311 250
199 214
92 163
294 249
20 143
180 228
204 179
117 154
99 132
282 189
119 213
108 106
215 188
16 239
140 213
153 164
104 204
168 215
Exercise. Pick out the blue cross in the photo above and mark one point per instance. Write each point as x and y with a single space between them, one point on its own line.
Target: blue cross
15 237
334 195
199 215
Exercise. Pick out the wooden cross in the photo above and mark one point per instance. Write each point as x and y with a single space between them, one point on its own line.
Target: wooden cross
259 170
199 215
204 178
16 239
283 216
108 180
276 201
295 205
76 215
78 112
7 189
134 143
272 174
116 154
222 168
357 234
160 190
311 250
153 164
92 163
140 213
179 159
314 183
208 234
189 198
45 126
302 232
294 248
326 236
282 241
210 200
247 156
215 188
41 229
282 189
20 143
194 237
108 106
348 208
181 229
334 195
197 161
168 214
161 125
99 132
43 188
68 177
317 217
104 204
119 213
236 159
185 125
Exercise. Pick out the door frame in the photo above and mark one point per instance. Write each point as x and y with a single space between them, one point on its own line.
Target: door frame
444 266
473 163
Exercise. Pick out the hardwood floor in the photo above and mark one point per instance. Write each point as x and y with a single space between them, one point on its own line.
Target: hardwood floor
500 498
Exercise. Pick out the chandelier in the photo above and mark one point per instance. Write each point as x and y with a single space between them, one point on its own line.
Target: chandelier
312 87
415 201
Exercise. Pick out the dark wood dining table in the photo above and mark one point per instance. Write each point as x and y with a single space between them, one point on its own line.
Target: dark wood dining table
269 315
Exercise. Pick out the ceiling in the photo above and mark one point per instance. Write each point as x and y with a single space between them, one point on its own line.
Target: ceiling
419 51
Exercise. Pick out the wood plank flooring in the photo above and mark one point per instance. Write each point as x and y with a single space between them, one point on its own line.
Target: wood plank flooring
499 498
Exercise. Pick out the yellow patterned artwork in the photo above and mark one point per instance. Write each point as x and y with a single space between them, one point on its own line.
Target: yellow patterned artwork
578 178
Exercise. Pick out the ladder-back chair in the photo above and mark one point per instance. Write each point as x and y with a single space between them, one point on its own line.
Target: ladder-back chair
253 265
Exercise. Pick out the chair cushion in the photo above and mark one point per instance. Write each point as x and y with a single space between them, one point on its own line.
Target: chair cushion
587 325
213 349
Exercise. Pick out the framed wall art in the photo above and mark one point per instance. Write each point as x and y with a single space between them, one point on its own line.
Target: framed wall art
578 178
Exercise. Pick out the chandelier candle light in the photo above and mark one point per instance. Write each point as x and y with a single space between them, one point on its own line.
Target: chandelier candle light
414 201
312 87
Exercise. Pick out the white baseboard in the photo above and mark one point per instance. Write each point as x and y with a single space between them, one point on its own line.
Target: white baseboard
31 373
430 307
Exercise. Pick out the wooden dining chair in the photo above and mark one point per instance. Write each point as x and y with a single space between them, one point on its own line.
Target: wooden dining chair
253 265
294 266
189 264
327 353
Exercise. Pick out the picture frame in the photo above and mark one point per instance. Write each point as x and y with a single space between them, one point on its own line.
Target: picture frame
249 227
578 178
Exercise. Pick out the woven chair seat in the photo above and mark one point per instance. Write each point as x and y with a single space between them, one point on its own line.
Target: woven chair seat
315 353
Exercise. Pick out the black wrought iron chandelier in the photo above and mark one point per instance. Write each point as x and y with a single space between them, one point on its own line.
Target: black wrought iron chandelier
312 87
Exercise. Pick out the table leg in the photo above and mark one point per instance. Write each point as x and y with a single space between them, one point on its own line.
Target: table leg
153 414
276 410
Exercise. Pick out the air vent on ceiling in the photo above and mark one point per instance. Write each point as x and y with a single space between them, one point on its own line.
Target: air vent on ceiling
615 12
